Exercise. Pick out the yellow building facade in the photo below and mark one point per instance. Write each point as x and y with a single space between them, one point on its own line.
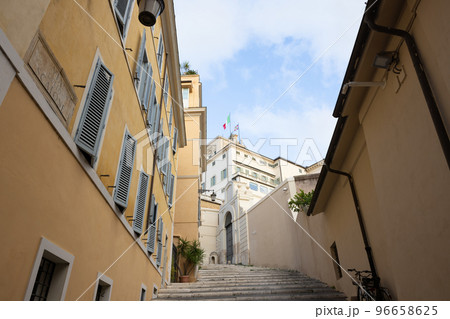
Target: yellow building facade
192 161
91 128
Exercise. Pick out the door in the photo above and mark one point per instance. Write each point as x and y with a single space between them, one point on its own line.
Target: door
229 238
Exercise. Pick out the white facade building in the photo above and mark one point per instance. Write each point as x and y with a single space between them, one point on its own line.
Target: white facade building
240 178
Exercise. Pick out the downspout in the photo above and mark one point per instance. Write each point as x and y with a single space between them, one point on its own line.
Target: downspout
423 80
362 227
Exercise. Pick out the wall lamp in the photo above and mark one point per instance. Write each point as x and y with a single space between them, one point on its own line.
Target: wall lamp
213 195
383 60
361 84
149 10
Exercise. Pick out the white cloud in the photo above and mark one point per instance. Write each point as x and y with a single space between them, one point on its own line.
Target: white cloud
213 31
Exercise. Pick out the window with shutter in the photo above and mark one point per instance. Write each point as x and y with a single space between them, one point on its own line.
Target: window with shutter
143 74
166 89
160 53
141 199
170 118
125 171
93 118
172 184
175 140
152 227
123 10
160 233
167 178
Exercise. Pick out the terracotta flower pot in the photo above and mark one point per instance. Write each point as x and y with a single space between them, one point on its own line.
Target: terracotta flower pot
184 279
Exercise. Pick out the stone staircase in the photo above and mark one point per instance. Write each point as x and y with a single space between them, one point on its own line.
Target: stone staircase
234 283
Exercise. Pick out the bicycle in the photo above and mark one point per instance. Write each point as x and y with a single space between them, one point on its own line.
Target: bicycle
368 289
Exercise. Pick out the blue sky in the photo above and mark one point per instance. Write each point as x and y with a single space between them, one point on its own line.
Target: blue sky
248 53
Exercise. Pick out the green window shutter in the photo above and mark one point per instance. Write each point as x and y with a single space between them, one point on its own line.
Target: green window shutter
175 140
93 118
172 184
152 229
141 199
125 171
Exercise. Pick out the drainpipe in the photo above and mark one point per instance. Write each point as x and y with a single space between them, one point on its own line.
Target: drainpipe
424 83
362 228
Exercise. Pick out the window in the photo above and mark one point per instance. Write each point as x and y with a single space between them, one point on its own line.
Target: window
159 239
152 228
141 200
264 178
213 181
125 170
93 117
213 163
238 153
103 289
172 184
336 263
277 181
263 189
43 280
224 156
50 273
264 163
154 113
160 53
273 165
143 74
170 118
143 292
222 190
166 88
203 186
175 140
185 92
300 170
254 175
238 169
253 186
223 174
245 155
246 172
123 10
272 181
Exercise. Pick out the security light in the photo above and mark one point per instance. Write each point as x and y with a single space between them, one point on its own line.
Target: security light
384 59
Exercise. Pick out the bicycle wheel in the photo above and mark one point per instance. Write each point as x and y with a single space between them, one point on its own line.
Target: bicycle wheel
385 295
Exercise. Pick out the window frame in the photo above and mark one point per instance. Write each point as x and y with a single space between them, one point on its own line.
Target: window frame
126 18
63 259
103 281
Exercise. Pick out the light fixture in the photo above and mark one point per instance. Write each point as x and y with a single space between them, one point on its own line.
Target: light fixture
383 60
361 84
213 195
149 10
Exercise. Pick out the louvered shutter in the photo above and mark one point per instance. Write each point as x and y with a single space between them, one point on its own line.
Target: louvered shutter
93 118
175 140
172 184
152 232
167 177
166 88
151 217
141 199
165 156
159 55
139 73
147 85
152 111
170 119
160 235
125 171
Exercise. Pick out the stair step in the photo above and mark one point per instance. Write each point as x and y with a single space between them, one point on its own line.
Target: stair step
231 282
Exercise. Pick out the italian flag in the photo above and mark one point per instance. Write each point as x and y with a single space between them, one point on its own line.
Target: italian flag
227 122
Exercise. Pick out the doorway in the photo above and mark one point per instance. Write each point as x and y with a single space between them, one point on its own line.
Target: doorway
229 238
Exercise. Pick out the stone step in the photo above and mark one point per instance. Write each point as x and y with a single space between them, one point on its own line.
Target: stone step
200 289
232 282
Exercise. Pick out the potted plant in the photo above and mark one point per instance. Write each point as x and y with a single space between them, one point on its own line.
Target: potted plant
301 201
192 255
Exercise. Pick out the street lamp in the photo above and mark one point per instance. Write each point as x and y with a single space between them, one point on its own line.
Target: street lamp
213 195
149 10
